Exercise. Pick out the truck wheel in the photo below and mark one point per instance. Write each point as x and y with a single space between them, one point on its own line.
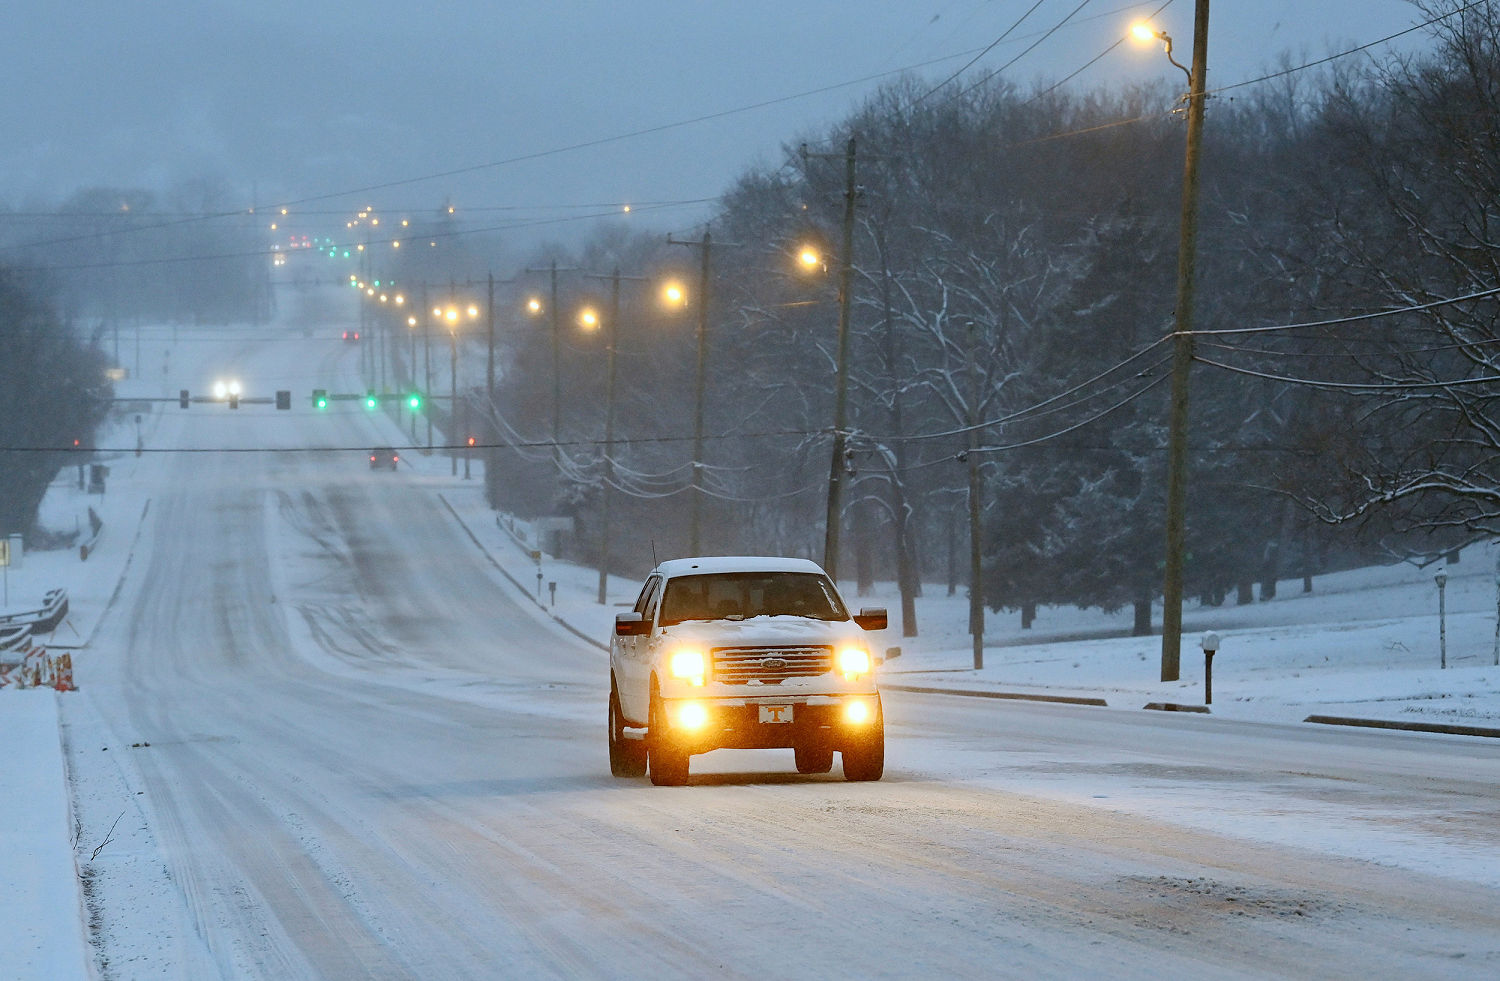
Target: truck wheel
864 757
814 759
627 757
668 763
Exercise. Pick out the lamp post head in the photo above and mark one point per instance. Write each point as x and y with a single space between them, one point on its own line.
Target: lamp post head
1441 578
1145 33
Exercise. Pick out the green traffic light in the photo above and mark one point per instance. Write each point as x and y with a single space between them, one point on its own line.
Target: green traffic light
414 401
371 401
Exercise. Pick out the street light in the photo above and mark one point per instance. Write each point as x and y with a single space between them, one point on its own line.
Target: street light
1182 350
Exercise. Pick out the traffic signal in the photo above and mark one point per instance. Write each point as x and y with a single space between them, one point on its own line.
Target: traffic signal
182 399
414 401
320 398
283 399
473 440
371 401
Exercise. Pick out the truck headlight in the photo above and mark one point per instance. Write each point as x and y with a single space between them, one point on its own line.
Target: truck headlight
689 664
854 661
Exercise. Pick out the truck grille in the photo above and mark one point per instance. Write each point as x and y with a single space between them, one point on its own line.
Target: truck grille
769 665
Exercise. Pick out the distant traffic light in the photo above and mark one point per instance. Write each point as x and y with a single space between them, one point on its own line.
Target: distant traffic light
283 399
371 401
473 440
182 399
320 398
414 401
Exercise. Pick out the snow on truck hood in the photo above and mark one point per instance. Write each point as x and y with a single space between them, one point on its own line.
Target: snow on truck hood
766 631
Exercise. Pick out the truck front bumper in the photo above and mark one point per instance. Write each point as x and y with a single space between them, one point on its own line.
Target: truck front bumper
698 725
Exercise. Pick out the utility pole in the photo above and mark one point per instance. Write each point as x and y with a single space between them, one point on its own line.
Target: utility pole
489 370
552 318
556 369
1182 360
611 341
834 516
705 281
453 393
427 378
841 384
971 457
422 320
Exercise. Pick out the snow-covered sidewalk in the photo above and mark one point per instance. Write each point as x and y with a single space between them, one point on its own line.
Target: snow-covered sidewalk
41 921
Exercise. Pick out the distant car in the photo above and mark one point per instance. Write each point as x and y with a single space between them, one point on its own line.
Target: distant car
383 458
351 335
746 652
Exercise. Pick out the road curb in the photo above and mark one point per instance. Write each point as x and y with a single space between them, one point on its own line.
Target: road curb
1175 707
517 583
1335 720
1010 695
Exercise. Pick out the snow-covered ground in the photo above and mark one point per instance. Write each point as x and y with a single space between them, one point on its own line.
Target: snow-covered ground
1363 643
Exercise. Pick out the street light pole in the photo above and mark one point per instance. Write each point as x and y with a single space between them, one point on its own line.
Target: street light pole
841 385
556 372
412 322
1182 360
705 280
453 391
606 491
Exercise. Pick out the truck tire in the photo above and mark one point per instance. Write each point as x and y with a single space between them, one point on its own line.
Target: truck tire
814 759
864 757
668 763
627 757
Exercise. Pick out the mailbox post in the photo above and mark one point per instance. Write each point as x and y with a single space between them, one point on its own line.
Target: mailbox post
1210 645
1442 582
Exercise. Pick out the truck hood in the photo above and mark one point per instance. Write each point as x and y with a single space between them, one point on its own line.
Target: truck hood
780 631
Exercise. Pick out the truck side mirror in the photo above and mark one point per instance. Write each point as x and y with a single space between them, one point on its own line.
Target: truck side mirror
631 624
871 618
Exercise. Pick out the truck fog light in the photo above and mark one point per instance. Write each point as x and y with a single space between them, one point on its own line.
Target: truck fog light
692 715
857 712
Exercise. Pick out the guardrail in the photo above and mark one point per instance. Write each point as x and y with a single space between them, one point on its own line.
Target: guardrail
15 639
53 610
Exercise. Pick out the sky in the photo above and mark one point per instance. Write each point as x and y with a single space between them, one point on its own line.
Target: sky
519 106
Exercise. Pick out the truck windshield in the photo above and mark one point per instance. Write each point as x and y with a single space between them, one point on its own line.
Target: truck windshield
741 595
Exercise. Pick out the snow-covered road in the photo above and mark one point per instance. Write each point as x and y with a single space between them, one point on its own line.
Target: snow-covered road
332 741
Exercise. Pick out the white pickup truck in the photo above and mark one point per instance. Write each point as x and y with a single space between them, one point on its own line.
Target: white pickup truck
745 652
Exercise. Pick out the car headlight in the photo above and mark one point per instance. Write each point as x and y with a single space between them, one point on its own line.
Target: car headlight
689 664
854 660
857 711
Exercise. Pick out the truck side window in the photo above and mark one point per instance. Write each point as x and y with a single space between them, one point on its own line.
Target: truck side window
648 591
649 614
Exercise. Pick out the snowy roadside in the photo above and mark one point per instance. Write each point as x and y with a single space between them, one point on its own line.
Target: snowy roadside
40 902
1364 644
